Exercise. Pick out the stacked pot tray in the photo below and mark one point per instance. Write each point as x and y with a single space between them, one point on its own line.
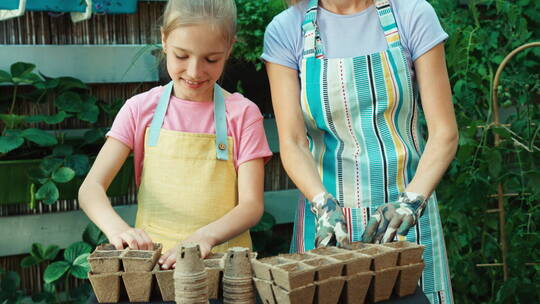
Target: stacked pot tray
112 269
329 275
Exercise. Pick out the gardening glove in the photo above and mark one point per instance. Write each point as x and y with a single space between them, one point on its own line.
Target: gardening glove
331 227
394 217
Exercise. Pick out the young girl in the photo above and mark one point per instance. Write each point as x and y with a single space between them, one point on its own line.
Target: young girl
199 151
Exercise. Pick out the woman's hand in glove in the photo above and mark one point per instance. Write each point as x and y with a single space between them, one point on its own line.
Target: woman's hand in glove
331 225
395 217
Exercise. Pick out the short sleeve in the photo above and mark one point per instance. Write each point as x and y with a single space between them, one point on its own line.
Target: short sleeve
280 42
252 142
424 28
123 127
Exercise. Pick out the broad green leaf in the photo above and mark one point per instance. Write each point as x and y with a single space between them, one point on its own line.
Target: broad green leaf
30 78
48 193
62 150
12 121
48 119
75 250
94 135
79 163
69 102
89 113
68 83
20 69
37 251
49 83
80 266
4 76
50 164
51 252
38 175
29 261
39 137
55 271
10 143
10 281
495 163
63 175
93 236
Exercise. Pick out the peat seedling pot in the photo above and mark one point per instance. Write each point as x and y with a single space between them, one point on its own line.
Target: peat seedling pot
293 275
409 253
301 295
408 277
106 286
356 288
329 291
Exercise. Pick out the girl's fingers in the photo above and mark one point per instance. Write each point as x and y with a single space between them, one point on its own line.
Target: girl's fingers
118 243
146 241
171 259
164 257
129 240
383 224
138 239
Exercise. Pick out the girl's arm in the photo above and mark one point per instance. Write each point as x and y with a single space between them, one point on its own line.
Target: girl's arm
95 203
441 121
293 145
245 215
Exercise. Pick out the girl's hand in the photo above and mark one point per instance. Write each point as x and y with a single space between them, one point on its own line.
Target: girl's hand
134 238
395 217
168 260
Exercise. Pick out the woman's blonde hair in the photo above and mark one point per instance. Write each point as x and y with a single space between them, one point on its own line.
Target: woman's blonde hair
220 13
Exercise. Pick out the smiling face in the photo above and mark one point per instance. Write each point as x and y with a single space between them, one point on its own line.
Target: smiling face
196 55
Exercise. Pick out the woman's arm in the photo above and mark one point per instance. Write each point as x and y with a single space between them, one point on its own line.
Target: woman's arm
245 215
441 121
95 203
293 145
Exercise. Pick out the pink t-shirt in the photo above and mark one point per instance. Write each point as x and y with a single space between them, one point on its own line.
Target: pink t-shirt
244 124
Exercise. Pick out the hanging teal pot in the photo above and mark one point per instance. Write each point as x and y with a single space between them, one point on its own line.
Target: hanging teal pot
46 5
69 6
114 6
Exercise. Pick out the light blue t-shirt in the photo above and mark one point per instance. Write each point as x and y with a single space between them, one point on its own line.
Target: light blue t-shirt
352 35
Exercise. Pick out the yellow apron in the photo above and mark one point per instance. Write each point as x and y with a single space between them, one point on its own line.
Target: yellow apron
188 179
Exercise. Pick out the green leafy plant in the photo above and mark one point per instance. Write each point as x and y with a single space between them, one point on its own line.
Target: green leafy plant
75 263
40 254
253 16
481 34
93 236
22 137
10 284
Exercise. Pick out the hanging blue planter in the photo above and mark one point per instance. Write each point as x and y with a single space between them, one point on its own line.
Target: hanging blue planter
68 6
114 6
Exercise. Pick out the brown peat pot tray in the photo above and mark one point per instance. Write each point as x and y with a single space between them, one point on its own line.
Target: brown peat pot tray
383 257
138 285
298 256
106 286
355 262
408 278
329 291
383 284
326 268
300 295
262 268
214 270
141 260
293 275
165 282
356 288
264 288
105 261
409 253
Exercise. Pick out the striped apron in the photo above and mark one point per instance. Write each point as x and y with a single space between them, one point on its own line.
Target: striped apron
361 116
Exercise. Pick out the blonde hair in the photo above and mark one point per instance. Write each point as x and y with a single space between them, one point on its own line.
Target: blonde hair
220 13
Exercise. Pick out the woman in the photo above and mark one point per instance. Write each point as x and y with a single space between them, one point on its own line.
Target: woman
347 74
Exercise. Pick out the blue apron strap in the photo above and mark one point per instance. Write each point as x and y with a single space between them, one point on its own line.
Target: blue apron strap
159 115
220 119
